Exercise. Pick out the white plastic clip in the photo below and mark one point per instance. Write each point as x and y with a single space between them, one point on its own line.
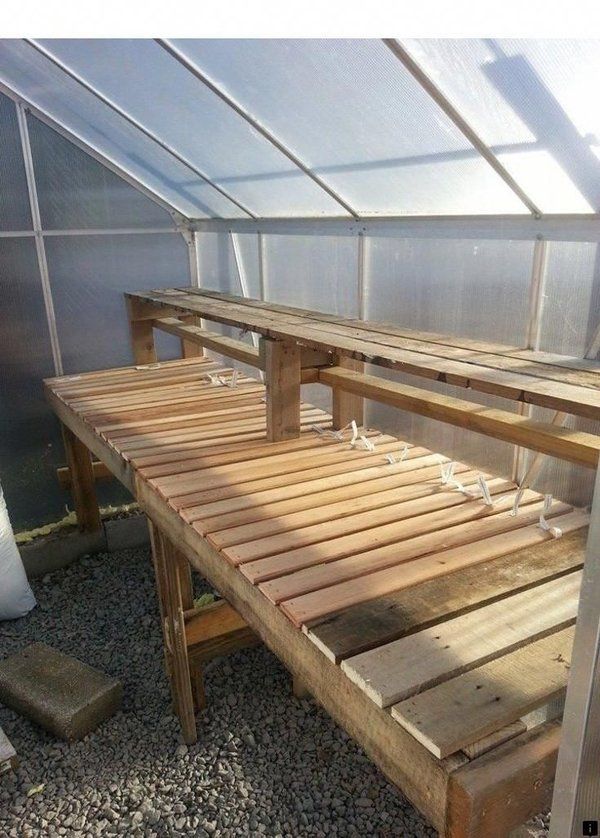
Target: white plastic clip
354 427
368 445
148 366
485 492
322 432
556 532
448 479
390 458
515 508
234 378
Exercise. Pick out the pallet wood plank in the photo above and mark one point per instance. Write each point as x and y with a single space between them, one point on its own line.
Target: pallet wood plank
405 667
458 712
421 515
471 575
371 544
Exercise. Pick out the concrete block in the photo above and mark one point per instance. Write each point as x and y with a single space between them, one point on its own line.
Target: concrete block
52 552
126 533
66 697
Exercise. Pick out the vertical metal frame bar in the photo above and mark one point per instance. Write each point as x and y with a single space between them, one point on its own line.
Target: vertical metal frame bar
242 279
262 266
577 785
537 288
39 238
361 258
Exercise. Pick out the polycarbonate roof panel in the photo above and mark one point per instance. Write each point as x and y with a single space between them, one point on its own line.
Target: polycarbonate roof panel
535 103
153 87
52 91
352 112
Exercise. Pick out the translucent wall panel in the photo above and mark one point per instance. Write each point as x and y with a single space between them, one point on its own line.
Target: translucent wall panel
571 311
219 270
478 289
319 273
30 444
535 103
88 277
14 200
75 191
47 87
350 110
151 85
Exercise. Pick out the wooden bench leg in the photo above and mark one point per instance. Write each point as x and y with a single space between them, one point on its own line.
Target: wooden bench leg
142 335
83 490
347 406
282 366
173 585
191 349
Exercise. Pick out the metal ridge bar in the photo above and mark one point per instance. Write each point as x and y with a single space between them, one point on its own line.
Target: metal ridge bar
463 126
39 241
258 126
92 151
134 122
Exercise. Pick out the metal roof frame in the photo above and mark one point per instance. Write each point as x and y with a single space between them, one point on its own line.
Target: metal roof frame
317 224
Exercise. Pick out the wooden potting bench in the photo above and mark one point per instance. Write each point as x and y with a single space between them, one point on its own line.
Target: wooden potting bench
429 611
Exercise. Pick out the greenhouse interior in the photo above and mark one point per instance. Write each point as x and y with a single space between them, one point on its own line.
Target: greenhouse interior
300 397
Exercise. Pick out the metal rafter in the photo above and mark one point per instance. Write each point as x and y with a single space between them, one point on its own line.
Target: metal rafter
92 151
258 126
463 126
39 240
136 124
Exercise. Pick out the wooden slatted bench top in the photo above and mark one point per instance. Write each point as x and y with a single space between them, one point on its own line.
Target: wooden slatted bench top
455 617
539 378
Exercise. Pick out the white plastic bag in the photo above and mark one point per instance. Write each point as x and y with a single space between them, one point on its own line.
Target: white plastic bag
16 597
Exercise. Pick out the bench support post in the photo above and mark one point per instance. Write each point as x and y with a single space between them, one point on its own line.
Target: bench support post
173 585
282 366
79 461
142 336
347 406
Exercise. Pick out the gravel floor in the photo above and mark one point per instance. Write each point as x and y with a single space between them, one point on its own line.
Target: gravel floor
266 763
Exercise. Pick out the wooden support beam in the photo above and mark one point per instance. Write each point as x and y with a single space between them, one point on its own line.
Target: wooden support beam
189 348
142 336
282 365
504 787
174 591
100 471
347 406
574 446
82 482
231 347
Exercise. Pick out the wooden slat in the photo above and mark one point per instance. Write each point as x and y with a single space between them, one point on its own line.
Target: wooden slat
492 740
574 446
365 529
456 713
371 542
317 504
411 597
270 525
408 666
317 480
347 466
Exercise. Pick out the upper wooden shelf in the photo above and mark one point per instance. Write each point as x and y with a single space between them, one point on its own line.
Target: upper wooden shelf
571 385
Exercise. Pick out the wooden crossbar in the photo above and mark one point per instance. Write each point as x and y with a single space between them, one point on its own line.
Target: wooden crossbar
231 347
574 446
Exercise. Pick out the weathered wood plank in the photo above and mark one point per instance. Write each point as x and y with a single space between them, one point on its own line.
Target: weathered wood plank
282 365
458 712
574 446
410 609
407 666
503 788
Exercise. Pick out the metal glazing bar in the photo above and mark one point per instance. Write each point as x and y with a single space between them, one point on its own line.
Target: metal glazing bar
92 231
360 271
138 125
258 126
463 126
239 266
92 151
262 275
39 240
